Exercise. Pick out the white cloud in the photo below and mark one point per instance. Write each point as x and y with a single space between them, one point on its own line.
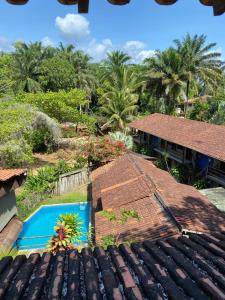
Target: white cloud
137 50
5 44
47 42
142 55
134 46
99 50
73 27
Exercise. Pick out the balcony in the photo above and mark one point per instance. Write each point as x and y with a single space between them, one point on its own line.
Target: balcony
172 154
217 176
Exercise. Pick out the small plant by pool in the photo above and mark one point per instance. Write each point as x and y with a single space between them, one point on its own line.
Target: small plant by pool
39 228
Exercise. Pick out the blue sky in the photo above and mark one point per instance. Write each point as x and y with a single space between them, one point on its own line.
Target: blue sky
138 28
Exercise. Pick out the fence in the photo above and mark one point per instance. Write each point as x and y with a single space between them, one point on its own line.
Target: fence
70 181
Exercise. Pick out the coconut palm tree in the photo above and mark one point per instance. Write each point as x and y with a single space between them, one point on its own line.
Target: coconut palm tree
166 71
119 102
202 63
84 77
26 65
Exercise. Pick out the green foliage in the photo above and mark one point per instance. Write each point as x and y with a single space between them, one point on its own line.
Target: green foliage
62 106
81 162
117 220
61 241
15 153
74 222
200 111
15 120
68 231
57 74
108 240
180 173
120 136
200 184
120 97
39 186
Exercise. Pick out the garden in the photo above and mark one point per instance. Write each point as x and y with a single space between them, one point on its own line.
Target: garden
62 112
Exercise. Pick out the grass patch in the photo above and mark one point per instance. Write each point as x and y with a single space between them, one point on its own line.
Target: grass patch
73 197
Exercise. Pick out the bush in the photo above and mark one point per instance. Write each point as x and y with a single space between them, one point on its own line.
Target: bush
127 140
38 187
81 162
15 153
180 173
200 184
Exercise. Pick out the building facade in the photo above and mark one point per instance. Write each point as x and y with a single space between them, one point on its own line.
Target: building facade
197 145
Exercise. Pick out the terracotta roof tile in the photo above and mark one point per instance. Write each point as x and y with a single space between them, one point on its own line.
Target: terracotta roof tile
168 206
190 267
10 173
208 139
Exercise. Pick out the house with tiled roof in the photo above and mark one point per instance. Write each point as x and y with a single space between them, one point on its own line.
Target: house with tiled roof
197 145
10 225
166 207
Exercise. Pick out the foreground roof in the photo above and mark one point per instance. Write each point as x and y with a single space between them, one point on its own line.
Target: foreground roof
174 268
164 205
83 5
208 139
6 175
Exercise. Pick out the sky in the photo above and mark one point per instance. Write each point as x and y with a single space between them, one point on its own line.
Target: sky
139 28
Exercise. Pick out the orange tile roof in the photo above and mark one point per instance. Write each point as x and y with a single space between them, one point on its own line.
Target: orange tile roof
165 205
208 139
10 173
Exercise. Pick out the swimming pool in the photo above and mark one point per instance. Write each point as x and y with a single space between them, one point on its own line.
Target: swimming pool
38 229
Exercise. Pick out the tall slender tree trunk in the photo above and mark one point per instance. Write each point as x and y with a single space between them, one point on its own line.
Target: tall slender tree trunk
187 97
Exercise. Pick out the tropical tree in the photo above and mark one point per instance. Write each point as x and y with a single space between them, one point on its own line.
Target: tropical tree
116 59
83 74
119 102
27 60
56 74
166 71
202 63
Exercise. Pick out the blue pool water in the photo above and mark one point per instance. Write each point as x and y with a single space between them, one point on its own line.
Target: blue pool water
39 228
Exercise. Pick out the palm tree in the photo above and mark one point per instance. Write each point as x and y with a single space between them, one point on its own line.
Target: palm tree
166 71
65 51
113 62
84 77
201 62
26 65
119 102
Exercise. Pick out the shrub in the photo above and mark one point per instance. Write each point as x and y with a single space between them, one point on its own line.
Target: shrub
39 186
15 153
61 241
117 219
200 184
81 162
74 222
68 231
180 173
118 136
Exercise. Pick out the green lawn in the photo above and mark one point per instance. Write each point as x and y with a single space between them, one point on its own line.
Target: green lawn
73 197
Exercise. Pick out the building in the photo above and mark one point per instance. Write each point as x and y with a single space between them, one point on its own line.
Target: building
166 207
198 145
10 225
